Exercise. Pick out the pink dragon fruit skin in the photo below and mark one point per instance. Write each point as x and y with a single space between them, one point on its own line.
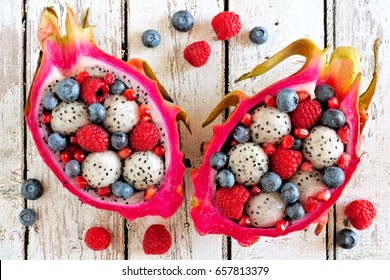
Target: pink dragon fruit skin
342 72
65 56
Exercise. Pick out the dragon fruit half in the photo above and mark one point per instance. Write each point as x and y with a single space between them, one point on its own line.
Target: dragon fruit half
311 157
82 109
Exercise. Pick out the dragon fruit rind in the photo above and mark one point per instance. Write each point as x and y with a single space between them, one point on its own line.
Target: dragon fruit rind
307 127
91 115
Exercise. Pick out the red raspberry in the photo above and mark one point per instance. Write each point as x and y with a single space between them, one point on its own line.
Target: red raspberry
93 138
232 200
97 238
94 90
360 213
307 114
157 240
144 137
285 162
197 54
226 25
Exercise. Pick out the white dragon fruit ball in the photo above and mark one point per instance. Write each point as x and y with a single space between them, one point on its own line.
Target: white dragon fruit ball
248 162
143 169
269 125
101 169
322 147
68 117
265 209
121 114
309 184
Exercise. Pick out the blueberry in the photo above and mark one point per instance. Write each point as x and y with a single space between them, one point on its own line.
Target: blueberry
297 145
346 238
96 112
68 90
241 134
324 92
27 217
121 189
183 21
118 87
151 38
32 189
258 35
295 211
218 160
119 140
333 177
289 192
225 178
72 168
270 182
49 100
56 142
333 118
287 100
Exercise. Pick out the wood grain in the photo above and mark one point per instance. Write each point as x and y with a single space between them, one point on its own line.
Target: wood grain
62 219
188 87
11 130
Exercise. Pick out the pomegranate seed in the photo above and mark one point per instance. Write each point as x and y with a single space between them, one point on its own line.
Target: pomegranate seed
73 139
104 191
65 157
306 166
82 77
144 110
343 161
146 118
287 141
80 182
301 133
343 134
129 94
159 151
269 148
233 143
281 225
45 117
270 101
124 153
150 192
255 190
109 79
323 196
79 155
333 102
245 221
302 95
247 119
311 204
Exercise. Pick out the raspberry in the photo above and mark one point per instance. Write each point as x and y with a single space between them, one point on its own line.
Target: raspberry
226 25
307 114
157 240
360 213
285 162
93 138
232 200
197 54
97 238
144 137
94 90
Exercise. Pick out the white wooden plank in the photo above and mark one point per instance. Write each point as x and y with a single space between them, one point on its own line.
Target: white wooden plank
62 219
11 129
197 90
359 23
286 21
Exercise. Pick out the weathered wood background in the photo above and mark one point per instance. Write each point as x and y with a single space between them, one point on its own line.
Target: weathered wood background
63 220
